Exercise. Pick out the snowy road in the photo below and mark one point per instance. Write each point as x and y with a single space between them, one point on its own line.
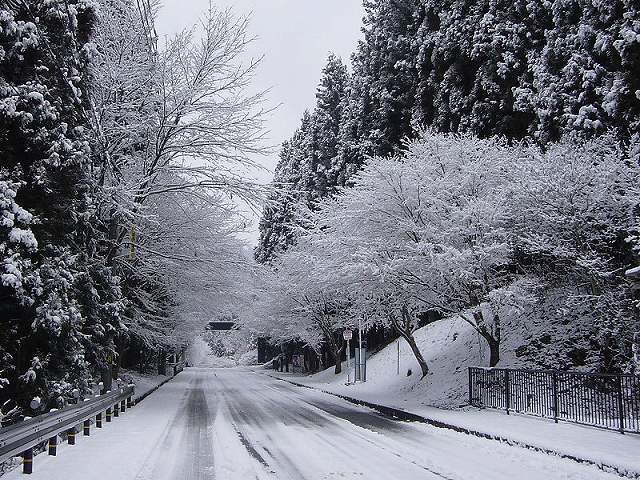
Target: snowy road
236 424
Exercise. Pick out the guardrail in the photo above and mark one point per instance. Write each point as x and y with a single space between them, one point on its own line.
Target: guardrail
601 400
21 438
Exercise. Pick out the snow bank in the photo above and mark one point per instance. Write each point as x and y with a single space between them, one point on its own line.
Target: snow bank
144 382
448 346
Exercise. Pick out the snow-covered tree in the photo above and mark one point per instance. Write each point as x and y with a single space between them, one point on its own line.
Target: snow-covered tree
310 167
475 229
573 211
47 204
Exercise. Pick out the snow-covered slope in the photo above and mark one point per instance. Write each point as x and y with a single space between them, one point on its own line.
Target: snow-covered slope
449 346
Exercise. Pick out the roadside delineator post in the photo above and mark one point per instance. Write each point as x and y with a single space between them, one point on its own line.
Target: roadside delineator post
27 461
53 446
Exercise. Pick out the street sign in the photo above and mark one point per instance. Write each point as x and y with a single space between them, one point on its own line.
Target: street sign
347 334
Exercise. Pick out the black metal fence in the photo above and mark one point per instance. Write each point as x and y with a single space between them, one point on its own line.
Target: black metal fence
608 401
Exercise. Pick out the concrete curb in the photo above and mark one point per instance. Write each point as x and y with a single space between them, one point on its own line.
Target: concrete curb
412 417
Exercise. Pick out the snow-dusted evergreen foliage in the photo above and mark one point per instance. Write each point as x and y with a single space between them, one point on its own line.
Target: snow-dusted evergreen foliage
519 69
311 164
475 229
107 226
47 206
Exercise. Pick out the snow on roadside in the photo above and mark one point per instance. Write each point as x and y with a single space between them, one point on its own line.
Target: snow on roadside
601 447
143 382
449 347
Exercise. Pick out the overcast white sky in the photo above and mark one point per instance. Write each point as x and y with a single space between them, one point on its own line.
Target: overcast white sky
295 36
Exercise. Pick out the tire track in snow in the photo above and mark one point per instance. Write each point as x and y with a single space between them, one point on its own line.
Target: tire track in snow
274 459
184 451
322 427
198 459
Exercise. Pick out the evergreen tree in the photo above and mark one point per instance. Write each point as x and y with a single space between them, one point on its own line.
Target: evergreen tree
45 148
310 166
328 116
385 78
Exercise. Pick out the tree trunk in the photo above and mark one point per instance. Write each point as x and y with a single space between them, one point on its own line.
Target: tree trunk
106 379
338 368
490 334
407 334
494 351
418 354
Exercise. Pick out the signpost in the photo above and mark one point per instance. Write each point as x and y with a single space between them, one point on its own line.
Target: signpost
348 335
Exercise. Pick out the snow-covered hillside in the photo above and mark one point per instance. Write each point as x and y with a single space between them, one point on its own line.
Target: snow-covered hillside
449 347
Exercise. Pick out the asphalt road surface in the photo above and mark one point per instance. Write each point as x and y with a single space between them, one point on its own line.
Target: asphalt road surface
237 424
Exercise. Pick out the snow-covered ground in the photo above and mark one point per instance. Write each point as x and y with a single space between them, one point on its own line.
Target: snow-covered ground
143 382
449 347
235 424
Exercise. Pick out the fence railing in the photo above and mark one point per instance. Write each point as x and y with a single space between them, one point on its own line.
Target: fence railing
22 437
608 401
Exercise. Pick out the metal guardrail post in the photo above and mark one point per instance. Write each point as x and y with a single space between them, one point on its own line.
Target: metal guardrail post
507 392
19 439
27 461
53 445
123 406
129 402
116 410
554 380
470 387
108 415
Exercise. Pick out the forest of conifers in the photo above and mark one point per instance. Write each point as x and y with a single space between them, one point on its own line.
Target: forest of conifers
477 159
